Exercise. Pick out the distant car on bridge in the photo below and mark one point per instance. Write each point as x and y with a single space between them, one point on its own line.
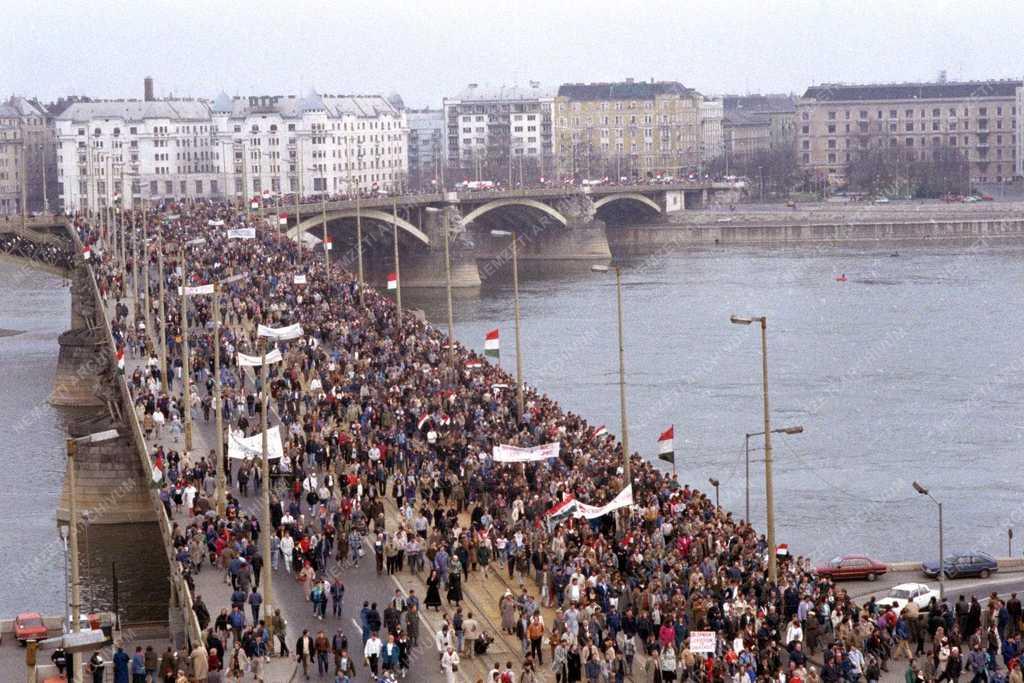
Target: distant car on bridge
849 567
963 564
29 626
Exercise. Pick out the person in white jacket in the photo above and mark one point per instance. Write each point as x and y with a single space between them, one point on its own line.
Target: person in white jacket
449 664
371 653
794 632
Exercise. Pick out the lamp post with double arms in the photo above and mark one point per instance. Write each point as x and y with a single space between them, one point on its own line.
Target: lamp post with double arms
773 569
942 560
797 429
626 469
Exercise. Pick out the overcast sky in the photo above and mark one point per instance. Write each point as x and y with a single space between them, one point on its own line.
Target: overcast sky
425 50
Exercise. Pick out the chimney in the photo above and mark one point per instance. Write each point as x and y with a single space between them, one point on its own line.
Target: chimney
147 89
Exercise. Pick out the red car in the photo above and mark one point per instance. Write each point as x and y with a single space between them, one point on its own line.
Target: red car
852 567
29 626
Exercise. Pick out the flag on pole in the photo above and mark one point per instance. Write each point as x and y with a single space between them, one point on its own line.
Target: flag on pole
328 245
492 344
87 252
665 451
423 422
474 363
600 431
560 512
392 281
120 361
254 204
282 219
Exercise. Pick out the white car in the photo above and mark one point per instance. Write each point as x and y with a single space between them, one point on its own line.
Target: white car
900 595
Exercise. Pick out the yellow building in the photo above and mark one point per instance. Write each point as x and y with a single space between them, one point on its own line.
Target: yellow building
629 129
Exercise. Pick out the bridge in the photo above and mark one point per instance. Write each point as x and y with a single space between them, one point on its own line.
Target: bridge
43 242
557 227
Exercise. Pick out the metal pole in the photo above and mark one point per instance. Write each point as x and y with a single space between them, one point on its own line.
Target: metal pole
768 489
266 527
113 583
245 183
298 209
24 184
746 453
942 560
218 402
359 243
519 351
626 468
398 268
186 360
145 276
327 252
42 160
448 287
76 590
163 320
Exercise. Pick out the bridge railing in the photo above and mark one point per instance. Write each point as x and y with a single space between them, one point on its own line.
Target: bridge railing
179 587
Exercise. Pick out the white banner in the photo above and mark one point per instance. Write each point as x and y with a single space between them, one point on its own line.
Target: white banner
702 642
256 361
215 224
280 333
201 289
240 447
624 499
242 234
299 279
506 453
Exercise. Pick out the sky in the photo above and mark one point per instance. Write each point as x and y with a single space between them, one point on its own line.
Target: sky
427 50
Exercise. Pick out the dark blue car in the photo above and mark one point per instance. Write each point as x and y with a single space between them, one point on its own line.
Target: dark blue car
963 565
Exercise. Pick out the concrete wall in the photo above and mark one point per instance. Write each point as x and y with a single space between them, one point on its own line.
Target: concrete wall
639 240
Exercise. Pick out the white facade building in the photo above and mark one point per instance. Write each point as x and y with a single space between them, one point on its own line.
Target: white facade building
426 148
713 141
332 143
230 148
157 149
10 161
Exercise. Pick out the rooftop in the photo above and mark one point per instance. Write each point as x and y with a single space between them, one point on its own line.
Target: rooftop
913 91
137 110
291 106
768 104
474 92
623 90
744 118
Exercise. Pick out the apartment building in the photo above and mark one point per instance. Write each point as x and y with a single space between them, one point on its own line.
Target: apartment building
977 118
501 134
635 129
426 148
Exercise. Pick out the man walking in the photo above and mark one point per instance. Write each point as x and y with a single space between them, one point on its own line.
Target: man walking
304 651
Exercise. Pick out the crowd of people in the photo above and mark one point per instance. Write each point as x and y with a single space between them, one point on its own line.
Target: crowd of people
379 415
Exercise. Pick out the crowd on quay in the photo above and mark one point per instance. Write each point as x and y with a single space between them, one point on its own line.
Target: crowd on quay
379 411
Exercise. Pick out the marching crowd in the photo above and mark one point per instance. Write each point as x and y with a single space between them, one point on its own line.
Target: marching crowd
374 413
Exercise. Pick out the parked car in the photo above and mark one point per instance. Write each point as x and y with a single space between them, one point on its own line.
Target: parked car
29 626
963 564
900 595
852 567
987 198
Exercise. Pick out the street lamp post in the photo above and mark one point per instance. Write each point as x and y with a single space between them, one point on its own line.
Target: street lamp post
515 295
626 469
268 595
398 268
73 516
186 360
797 429
714 482
768 487
942 562
163 320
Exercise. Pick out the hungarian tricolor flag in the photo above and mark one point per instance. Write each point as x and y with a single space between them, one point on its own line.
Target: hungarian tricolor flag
665 451
255 204
600 431
560 512
474 363
392 281
87 252
328 245
424 421
492 344
282 219
120 361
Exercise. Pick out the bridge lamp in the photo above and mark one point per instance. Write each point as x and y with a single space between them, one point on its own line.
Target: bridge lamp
626 470
515 289
768 485
448 287
714 482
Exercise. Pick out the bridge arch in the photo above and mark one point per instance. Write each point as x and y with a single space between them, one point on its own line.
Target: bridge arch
498 203
633 196
317 220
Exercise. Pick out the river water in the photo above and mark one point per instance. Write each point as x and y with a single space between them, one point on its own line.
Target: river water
909 370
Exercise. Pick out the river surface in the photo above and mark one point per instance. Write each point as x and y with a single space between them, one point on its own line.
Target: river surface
37 306
910 370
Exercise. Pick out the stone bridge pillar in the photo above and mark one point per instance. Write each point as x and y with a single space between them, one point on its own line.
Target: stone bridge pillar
83 356
424 266
117 524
